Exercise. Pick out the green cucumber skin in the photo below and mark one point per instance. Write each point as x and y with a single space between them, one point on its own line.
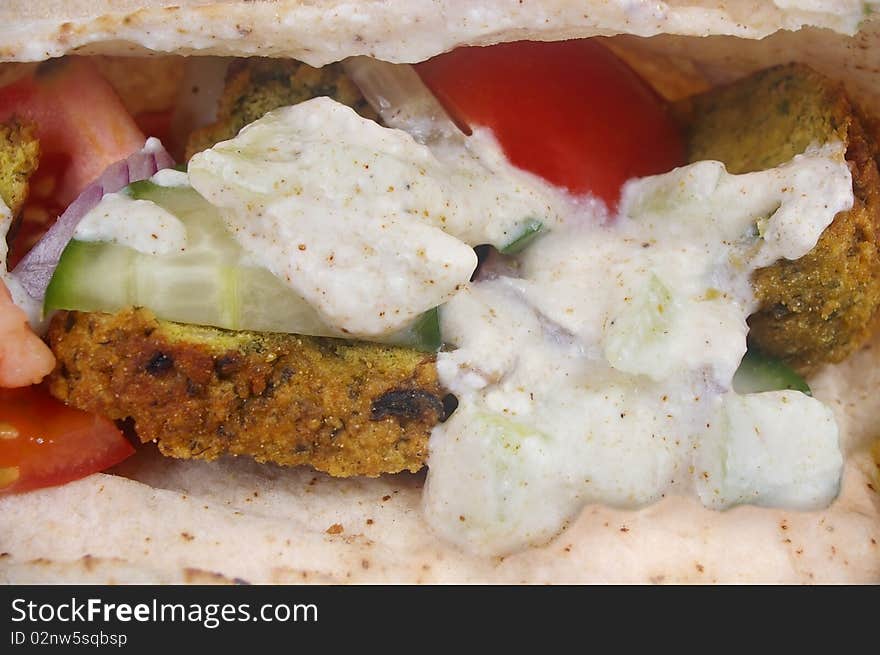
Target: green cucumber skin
199 287
66 289
425 332
758 372
528 234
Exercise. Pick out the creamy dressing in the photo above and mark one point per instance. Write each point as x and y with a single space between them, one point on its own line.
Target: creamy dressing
369 226
138 224
170 177
601 371
776 449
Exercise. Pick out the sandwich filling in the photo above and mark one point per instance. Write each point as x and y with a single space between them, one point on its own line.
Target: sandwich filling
599 366
595 365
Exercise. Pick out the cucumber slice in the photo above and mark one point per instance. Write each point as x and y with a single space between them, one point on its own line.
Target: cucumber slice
210 283
528 234
758 372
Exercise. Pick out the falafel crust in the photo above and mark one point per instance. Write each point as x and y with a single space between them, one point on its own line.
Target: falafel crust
19 157
256 86
823 306
345 408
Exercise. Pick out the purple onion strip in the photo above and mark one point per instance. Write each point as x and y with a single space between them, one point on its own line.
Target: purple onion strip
35 270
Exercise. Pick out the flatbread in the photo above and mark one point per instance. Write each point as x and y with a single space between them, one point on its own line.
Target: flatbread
321 31
160 520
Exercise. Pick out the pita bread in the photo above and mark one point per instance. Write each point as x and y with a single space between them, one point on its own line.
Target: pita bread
321 31
163 521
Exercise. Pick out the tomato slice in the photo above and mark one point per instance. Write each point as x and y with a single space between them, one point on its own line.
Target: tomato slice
77 114
569 111
45 443
83 128
40 208
157 124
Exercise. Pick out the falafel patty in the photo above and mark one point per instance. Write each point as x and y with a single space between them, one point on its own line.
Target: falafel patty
345 408
19 157
823 306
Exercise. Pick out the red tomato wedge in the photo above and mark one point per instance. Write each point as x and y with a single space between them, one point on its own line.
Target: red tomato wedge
78 117
40 209
44 443
157 124
569 111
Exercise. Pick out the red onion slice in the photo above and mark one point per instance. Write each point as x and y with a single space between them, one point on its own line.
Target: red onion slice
35 270
399 96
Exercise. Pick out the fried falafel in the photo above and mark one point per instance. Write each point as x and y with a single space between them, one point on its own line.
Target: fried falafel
823 306
345 408
19 157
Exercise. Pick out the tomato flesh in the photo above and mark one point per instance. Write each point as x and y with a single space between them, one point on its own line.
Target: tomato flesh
83 127
40 208
157 124
569 111
44 443
77 113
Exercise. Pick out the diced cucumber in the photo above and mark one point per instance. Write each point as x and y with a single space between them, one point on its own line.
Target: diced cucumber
639 339
210 283
758 372
528 234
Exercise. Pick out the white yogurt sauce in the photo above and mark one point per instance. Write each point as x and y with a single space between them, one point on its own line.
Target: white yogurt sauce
369 226
139 224
170 177
602 371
